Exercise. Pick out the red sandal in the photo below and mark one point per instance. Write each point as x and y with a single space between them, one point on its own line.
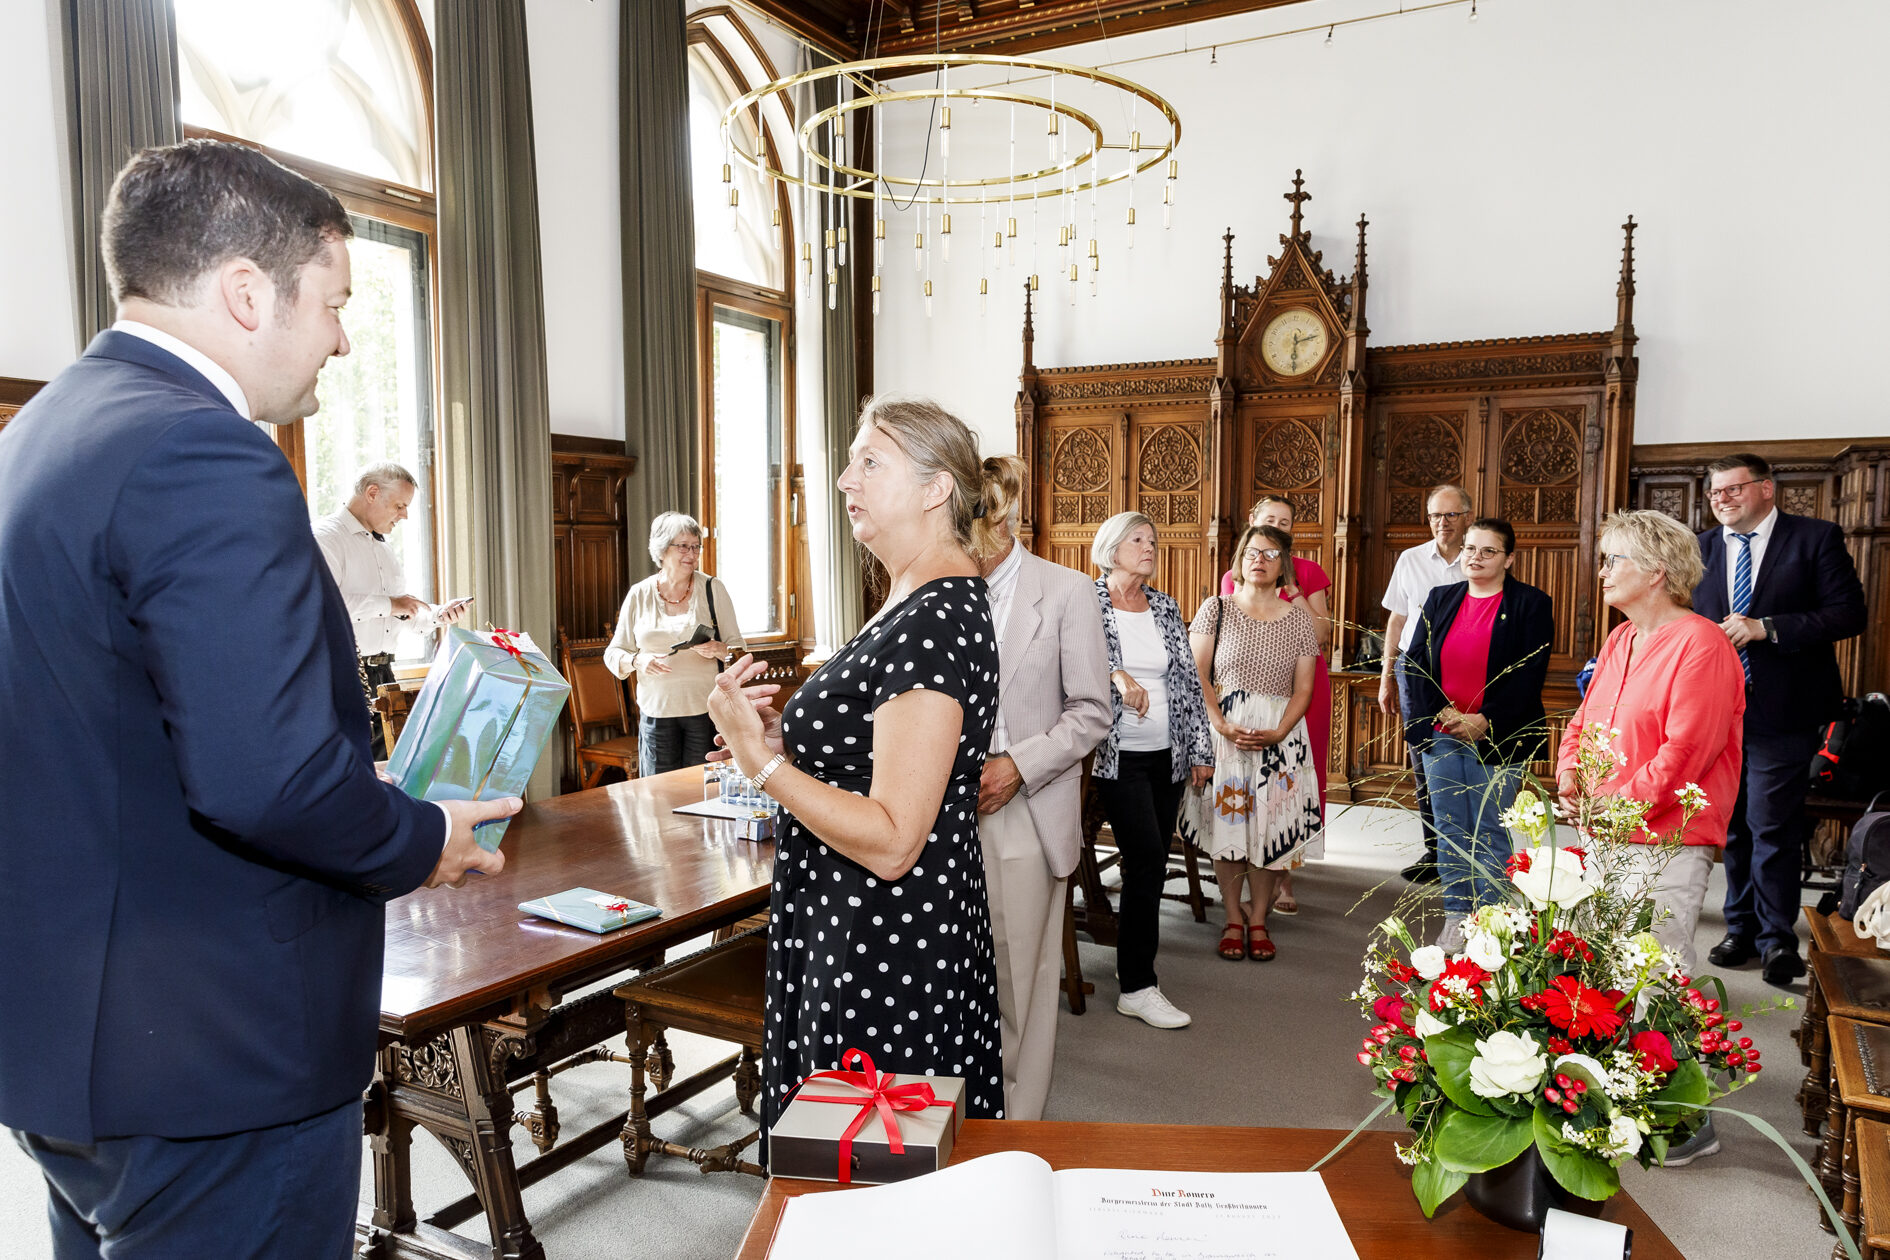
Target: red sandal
1233 946
1260 946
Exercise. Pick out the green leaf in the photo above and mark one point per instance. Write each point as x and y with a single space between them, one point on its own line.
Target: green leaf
1577 1171
1449 1053
1687 1089
1474 1144
1432 1183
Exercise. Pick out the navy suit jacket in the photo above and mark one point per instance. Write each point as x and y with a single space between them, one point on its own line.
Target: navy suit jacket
196 850
1519 665
1808 586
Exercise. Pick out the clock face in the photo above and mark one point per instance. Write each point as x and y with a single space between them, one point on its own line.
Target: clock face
1294 343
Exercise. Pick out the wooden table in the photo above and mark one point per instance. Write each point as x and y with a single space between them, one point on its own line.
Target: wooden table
472 986
1370 1188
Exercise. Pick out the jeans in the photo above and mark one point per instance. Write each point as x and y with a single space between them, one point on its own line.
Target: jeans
282 1193
1141 803
1427 816
1466 798
670 743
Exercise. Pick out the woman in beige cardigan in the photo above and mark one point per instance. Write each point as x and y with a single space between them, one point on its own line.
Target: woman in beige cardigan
660 612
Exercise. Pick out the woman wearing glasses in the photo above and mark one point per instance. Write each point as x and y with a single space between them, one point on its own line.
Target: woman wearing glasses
1256 654
660 612
1475 671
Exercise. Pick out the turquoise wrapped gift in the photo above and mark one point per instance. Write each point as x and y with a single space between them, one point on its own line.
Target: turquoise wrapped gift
480 722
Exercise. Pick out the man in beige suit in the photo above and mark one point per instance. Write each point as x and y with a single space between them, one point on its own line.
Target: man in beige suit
1053 708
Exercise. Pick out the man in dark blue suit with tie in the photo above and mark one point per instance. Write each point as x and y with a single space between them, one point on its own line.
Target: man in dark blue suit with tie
198 849
1785 591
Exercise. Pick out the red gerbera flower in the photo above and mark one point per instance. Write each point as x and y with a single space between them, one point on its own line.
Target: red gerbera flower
1403 973
1579 1010
1462 979
1517 862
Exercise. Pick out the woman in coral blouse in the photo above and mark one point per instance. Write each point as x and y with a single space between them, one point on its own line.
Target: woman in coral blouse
1305 580
1671 686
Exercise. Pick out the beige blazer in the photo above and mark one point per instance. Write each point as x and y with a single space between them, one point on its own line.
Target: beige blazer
1053 689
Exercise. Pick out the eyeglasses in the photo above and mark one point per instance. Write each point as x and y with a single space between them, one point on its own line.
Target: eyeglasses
688 549
1610 559
1271 553
1437 517
1732 491
1486 553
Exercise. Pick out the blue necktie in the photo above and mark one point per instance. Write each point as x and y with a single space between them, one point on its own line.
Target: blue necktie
1742 591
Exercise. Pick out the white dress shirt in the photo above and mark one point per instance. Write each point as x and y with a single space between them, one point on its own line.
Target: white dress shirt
368 573
1419 570
998 589
1762 534
225 383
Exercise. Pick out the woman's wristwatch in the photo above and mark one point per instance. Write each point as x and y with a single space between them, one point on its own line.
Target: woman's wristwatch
762 776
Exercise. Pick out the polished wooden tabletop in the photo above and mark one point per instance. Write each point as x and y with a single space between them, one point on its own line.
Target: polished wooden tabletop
1371 1190
456 953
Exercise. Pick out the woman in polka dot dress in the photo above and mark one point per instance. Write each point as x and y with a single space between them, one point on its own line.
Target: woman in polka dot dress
880 935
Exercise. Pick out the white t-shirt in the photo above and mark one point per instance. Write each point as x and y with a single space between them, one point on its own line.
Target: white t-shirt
1145 659
1418 570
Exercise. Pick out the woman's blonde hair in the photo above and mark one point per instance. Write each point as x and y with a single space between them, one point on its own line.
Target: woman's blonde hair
1001 496
936 442
1265 499
1654 540
1112 533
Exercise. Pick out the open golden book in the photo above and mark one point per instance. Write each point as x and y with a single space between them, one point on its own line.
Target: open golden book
1014 1206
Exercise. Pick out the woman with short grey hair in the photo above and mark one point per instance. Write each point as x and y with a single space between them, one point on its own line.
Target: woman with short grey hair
662 616
1158 743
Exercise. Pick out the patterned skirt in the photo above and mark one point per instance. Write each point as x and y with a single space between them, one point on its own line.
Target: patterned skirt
1262 806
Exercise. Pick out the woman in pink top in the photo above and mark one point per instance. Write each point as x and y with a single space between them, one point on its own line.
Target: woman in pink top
1304 580
1670 684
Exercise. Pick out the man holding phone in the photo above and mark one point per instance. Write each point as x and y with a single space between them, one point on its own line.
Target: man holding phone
354 542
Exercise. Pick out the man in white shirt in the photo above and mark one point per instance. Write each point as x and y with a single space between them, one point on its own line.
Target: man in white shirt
1438 562
354 542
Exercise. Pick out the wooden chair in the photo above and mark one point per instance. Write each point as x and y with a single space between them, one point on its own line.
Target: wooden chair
598 699
717 992
392 703
1831 937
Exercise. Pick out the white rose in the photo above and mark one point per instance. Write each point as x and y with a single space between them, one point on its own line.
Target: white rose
1426 1024
1555 877
1428 962
1507 1063
1624 1137
1486 951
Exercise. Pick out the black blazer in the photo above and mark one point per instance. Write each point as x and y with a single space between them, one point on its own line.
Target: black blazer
196 851
1519 664
1809 588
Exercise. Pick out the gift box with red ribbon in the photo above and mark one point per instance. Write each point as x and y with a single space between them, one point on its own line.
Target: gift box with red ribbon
864 1126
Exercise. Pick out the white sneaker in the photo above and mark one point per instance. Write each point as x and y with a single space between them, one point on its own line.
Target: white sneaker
1152 1008
1451 939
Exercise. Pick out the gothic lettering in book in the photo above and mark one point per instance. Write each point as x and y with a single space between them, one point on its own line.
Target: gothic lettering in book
1012 1206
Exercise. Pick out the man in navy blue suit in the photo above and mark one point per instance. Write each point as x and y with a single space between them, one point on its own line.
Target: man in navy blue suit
1785 591
198 849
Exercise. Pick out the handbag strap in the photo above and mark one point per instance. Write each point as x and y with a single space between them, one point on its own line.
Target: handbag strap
1220 612
715 623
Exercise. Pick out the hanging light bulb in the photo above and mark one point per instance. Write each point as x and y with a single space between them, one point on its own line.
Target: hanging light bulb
945 239
1131 227
928 299
1168 207
807 257
1053 136
1034 285
841 232
918 251
945 131
879 243
734 209
1473 10
984 294
830 251
875 295
833 289
1329 36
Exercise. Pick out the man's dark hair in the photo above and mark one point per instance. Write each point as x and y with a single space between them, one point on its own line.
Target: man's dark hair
1754 464
182 210
1498 526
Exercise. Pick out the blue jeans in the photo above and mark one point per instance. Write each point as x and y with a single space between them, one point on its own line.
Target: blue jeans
670 743
1466 798
1407 704
284 1193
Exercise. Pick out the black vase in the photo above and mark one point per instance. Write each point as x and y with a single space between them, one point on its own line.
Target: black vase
1518 1194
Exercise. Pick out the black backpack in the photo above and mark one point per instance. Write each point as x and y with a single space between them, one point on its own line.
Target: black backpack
1853 757
1866 858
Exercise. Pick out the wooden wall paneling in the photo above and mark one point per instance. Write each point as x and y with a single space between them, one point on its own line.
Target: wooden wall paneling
1169 470
590 545
13 395
1536 474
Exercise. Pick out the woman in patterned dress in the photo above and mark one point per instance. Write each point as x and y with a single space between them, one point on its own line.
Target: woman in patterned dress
879 936
1261 808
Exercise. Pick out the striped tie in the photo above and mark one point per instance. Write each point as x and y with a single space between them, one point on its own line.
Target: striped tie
1742 591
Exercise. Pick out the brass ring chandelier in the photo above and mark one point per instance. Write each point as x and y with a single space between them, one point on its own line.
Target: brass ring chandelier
1078 144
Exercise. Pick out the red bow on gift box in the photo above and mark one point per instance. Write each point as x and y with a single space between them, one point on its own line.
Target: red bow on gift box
504 639
881 1096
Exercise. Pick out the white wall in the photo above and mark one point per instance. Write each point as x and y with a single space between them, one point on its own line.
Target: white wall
574 127
1496 161
38 329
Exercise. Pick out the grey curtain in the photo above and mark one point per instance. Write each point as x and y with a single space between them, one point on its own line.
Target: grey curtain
121 96
497 443
844 597
659 266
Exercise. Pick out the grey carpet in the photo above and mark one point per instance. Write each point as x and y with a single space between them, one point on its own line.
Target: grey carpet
1271 1044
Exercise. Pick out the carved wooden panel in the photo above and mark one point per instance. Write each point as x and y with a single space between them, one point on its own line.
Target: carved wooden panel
1541 464
1080 463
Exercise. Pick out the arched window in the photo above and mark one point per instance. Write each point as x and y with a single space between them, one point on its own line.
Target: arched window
341 90
744 313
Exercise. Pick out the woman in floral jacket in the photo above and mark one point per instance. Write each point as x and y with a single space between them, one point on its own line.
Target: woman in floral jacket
1158 743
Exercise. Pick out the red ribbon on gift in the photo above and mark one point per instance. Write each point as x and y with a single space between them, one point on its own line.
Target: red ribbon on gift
504 639
881 1096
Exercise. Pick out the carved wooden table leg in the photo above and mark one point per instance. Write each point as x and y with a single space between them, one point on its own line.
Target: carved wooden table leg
481 1054
541 1122
390 1138
1831 1165
748 1081
636 1126
1849 1210
1811 1026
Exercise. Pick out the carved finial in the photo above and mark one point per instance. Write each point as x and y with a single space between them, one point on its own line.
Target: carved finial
1358 272
1030 334
1299 196
1624 292
1356 316
1227 260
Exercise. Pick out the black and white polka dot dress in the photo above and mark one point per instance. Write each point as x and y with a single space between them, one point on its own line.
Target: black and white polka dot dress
902 969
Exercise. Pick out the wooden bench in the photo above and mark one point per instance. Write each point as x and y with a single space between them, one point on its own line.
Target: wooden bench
1860 1089
1831 937
1873 1179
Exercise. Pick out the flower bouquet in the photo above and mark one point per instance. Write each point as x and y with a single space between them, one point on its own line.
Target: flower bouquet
1563 1024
